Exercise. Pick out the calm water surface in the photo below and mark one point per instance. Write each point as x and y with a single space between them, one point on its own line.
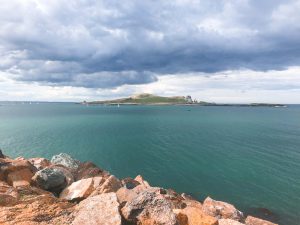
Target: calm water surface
247 156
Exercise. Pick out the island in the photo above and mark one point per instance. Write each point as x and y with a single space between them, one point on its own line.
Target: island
150 99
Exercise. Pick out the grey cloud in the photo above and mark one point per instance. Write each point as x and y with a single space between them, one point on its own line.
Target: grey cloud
104 44
92 80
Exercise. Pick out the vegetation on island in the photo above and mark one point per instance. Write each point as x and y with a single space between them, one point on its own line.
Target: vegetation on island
150 99
145 99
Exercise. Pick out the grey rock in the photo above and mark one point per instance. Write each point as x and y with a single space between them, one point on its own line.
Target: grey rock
65 160
68 174
149 205
50 179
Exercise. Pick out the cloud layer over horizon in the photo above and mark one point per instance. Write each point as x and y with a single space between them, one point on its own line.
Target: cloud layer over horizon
107 44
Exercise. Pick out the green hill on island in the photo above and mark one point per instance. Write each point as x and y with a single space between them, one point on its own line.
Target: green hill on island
146 99
150 99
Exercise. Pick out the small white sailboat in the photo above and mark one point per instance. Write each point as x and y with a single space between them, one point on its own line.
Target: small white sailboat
118 105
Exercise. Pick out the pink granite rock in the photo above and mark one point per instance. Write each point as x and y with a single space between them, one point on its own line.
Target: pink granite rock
221 210
98 210
149 207
78 190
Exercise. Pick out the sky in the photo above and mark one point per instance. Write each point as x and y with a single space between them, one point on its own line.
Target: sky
226 51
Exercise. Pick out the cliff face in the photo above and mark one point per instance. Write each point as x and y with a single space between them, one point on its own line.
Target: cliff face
66 191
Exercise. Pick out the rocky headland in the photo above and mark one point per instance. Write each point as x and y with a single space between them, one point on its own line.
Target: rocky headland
67 191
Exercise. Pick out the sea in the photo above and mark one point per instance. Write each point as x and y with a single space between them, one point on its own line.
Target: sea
248 156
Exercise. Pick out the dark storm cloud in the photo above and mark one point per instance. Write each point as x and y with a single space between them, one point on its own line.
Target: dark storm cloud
104 44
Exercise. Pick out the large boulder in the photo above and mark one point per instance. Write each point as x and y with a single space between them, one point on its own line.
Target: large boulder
65 160
126 195
89 169
221 210
250 220
228 222
101 209
195 216
111 184
8 195
16 172
149 207
68 174
81 189
98 181
50 179
20 178
9 165
39 163
78 190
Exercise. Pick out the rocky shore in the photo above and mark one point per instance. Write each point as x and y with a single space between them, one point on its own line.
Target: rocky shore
66 191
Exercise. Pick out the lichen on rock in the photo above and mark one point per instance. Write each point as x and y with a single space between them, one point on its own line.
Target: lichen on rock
65 160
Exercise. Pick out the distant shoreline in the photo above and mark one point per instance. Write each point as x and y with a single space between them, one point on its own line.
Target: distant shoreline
194 104
149 99
2 103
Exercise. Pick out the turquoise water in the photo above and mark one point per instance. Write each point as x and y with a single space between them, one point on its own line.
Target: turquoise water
247 156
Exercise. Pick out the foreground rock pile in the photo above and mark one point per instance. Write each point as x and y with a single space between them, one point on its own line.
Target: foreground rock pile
66 191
